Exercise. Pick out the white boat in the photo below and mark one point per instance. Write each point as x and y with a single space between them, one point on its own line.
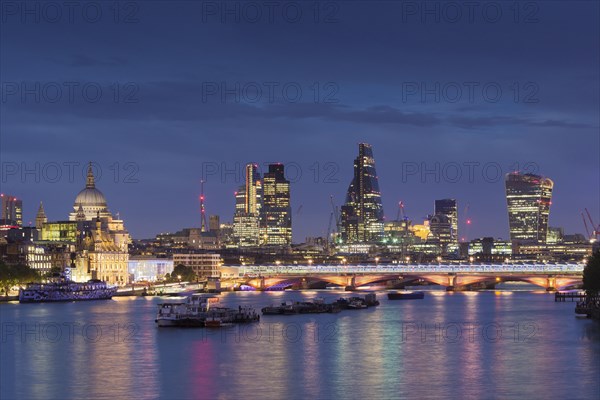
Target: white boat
192 312
63 289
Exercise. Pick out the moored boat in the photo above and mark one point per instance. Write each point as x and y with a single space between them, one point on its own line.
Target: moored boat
405 295
190 313
64 289
202 311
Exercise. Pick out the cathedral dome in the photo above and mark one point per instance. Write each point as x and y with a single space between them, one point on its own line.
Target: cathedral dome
90 202
90 197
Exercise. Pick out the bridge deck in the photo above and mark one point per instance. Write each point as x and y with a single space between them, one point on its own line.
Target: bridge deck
545 269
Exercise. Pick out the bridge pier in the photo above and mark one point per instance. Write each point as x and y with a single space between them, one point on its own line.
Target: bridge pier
551 284
261 284
350 283
452 284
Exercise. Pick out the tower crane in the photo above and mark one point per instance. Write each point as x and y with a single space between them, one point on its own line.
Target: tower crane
595 228
333 216
587 230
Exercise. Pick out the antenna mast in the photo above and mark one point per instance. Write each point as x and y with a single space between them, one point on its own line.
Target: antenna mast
202 210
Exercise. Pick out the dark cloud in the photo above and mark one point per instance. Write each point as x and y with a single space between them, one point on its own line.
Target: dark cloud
371 50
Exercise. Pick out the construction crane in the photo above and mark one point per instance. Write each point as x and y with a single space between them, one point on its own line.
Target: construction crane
202 209
299 210
587 230
334 216
329 230
595 228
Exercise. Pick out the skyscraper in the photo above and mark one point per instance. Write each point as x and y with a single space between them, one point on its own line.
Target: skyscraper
441 231
12 210
528 199
275 215
362 215
449 209
247 208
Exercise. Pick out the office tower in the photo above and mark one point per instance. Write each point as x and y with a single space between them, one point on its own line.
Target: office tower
449 209
276 215
528 199
248 201
12 210
252 190
441 231
362 217
349 225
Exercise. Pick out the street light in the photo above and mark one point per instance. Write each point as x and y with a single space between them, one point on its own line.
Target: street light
471 259
376 260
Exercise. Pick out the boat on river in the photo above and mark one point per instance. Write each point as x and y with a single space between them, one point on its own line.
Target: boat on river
406 295
200 310
63 289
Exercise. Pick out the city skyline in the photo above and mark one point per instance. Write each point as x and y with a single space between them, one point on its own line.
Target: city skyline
465 229
399 96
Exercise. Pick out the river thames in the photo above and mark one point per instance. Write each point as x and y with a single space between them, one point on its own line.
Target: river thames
491 344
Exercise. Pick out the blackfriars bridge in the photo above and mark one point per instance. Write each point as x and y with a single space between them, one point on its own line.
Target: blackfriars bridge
551 276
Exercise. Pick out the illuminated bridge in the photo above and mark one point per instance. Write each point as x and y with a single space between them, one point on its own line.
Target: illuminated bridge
551 276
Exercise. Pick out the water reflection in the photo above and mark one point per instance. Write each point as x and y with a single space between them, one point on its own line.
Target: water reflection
455 345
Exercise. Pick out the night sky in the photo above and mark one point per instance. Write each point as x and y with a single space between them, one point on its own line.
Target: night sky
178 99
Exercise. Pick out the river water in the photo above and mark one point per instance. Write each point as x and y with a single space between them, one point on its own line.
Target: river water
490 344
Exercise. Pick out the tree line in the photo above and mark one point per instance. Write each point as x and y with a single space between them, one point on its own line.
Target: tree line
15 275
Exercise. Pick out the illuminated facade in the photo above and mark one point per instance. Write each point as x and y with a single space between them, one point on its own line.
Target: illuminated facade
528 199
275 215
205 265
149 268
101 241
441 231
59 231
449 209
362 214
248 201
11 213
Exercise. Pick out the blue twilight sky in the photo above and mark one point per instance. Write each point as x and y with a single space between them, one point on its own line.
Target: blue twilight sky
160 93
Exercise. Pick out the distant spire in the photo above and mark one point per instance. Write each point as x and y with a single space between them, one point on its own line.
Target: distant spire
90 177
40 218
80 214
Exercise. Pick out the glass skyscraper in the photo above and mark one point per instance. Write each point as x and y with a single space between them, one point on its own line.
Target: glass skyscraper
262 211
362 214
276 215
449 209
528 198
248 200
11 211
